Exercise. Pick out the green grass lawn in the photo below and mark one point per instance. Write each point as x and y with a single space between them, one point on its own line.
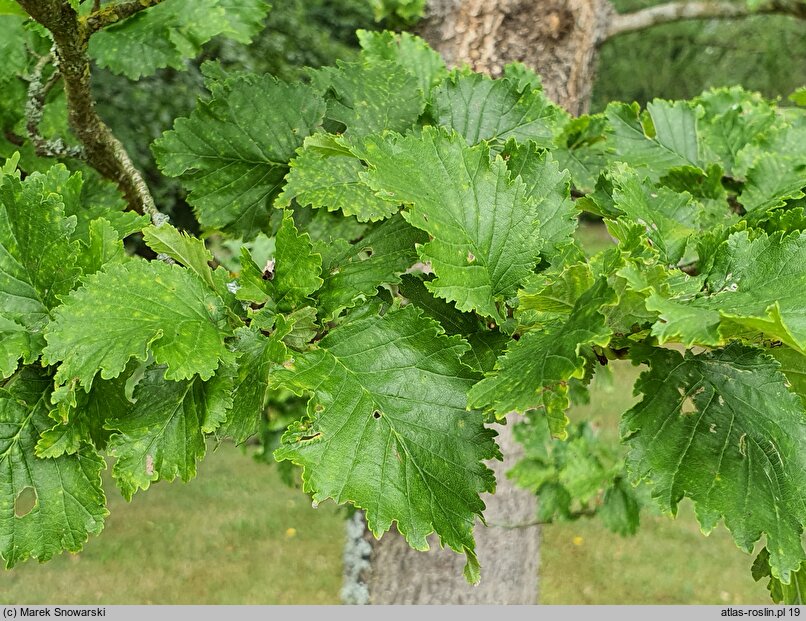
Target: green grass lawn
234 535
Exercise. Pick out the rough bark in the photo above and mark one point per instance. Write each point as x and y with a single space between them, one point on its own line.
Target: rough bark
556 38
388 571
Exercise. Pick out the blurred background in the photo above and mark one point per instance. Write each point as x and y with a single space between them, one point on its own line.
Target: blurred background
239 533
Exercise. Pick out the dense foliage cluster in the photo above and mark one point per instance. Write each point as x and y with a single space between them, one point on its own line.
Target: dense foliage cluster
407 263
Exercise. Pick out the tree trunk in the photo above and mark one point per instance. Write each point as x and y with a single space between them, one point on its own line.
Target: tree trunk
559 40
556 38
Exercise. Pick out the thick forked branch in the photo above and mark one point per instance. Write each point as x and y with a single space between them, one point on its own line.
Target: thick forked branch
117 12
101 149
679 11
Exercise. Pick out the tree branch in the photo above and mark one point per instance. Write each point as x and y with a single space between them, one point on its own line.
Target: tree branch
622 23
101 149
109 15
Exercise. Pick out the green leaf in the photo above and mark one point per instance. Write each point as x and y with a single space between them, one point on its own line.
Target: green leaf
168 34
303 327
681 322
325 175
786 140
570 476
137 308
728 132
15 345
257 355
535 370
793 365
582 149
326 228
406 10
66 494
387 430
621 511
482 109
452 321
758 285
370 97
88 198
10 7
37 261
103 246
549 186
672 140
189 251
485 345
232 153
707 189
771 182
162 435
484 225
722 429
780 593
753 285
245 19
555 293
407 50
352 272
84 423
523 77
289 277
668 217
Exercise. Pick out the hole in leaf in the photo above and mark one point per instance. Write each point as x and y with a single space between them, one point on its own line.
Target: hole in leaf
268 270
376 415
25 502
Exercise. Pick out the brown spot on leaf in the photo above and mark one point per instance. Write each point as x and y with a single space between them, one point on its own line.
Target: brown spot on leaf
25 501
